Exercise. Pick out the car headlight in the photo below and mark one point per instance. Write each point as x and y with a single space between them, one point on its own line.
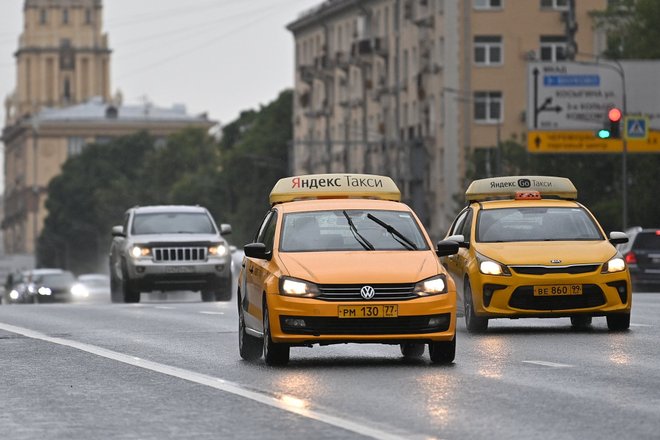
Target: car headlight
490 267
616 264
295 287
431 286
138 251
14 294
45 291
218 250
79 291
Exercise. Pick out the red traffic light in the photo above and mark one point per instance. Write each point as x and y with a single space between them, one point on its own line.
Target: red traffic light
614 115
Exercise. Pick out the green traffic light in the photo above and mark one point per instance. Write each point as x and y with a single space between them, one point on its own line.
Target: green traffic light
604 134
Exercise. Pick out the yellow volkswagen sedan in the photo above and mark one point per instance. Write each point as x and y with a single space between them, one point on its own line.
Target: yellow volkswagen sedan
338 258
529 249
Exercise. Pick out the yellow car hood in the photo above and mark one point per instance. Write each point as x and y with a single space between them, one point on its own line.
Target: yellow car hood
356 267
543 252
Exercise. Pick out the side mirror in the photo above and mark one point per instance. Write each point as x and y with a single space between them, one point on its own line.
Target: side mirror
118 231
256 250
446 247
460 239
225 229
617 237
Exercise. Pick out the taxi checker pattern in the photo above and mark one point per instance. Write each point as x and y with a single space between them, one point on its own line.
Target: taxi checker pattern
529 249
316 272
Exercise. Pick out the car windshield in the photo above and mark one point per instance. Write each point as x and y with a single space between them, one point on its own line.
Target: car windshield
172 223
56 279
536 224
331 231
647 241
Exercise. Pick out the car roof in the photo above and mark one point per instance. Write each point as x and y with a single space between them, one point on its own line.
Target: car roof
338 204
543 203
168 208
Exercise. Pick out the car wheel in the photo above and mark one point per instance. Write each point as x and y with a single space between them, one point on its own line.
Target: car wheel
443 352
412 350
249 347
130 295
474 323
115 288
274 353
581 321
225 293
618 321
208 295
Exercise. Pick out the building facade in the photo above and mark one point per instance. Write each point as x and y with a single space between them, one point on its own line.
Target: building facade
411 88
62 103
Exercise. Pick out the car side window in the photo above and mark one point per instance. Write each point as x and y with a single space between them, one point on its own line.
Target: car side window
260 233
269 233
458 223
466 227
127 216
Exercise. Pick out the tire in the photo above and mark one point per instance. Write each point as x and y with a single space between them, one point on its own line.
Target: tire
412 350
225 293
249 347
129 294
208 295
443 352
618 321
581 321
474 323
274 353
115 288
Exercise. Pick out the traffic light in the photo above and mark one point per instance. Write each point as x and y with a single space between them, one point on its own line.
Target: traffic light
612 129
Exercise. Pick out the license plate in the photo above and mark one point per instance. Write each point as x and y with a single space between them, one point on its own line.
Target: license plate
558 290
179 269
376 311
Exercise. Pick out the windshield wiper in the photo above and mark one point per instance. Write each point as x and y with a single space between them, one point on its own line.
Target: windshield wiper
358 237
398 236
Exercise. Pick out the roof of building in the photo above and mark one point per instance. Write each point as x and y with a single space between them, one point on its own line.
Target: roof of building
325 9
96 109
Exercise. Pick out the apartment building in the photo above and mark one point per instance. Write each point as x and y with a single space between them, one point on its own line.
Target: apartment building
62 102
411 88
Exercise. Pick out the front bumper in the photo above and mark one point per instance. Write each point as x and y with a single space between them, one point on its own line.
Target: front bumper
146 275
425 319
513 296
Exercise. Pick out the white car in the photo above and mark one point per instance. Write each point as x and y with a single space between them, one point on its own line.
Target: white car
92 287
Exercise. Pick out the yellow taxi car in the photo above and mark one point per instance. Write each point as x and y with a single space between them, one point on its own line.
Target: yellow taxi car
339 258
529 249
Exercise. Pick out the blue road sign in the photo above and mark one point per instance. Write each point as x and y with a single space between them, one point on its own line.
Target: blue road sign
636 127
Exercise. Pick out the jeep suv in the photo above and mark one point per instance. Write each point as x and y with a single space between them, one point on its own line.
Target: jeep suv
165 248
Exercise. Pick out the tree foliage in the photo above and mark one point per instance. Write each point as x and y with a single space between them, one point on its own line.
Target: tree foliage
232 178
632 29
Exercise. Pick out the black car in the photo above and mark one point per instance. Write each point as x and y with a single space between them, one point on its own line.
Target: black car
642 254
51 285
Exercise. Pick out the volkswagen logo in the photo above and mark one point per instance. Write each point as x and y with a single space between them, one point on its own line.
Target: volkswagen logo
555 261
524 183
367 292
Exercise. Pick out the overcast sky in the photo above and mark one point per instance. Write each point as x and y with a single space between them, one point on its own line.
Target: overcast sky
215 56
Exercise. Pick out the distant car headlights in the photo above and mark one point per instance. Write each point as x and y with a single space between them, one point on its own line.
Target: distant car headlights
300 288
218 250
431 286
490 267
139 251
616 264
79 291
44 291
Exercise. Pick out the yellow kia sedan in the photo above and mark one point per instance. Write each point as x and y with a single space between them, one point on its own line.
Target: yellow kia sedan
529 249
338 258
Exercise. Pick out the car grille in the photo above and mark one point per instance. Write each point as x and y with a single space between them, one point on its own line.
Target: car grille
523 298
402 325
542 270
351 292
167 254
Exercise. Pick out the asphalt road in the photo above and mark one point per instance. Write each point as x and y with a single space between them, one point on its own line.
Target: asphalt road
170 369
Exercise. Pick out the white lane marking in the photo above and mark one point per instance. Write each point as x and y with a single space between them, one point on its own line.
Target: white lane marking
641 325
548 364
284 403
212 313
164 307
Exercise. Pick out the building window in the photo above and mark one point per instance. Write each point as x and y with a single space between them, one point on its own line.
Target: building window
553 48
488 106
554 4
43 16
488 50
488 4
76 145
88 16
65 16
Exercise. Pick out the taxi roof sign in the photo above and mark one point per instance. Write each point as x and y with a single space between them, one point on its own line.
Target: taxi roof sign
315 186
507 187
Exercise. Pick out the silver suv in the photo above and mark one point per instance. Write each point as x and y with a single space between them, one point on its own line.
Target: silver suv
172 247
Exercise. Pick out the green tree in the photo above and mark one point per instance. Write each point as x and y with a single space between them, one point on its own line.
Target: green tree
632 29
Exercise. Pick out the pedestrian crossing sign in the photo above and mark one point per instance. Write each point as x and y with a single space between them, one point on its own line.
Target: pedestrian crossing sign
636 128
